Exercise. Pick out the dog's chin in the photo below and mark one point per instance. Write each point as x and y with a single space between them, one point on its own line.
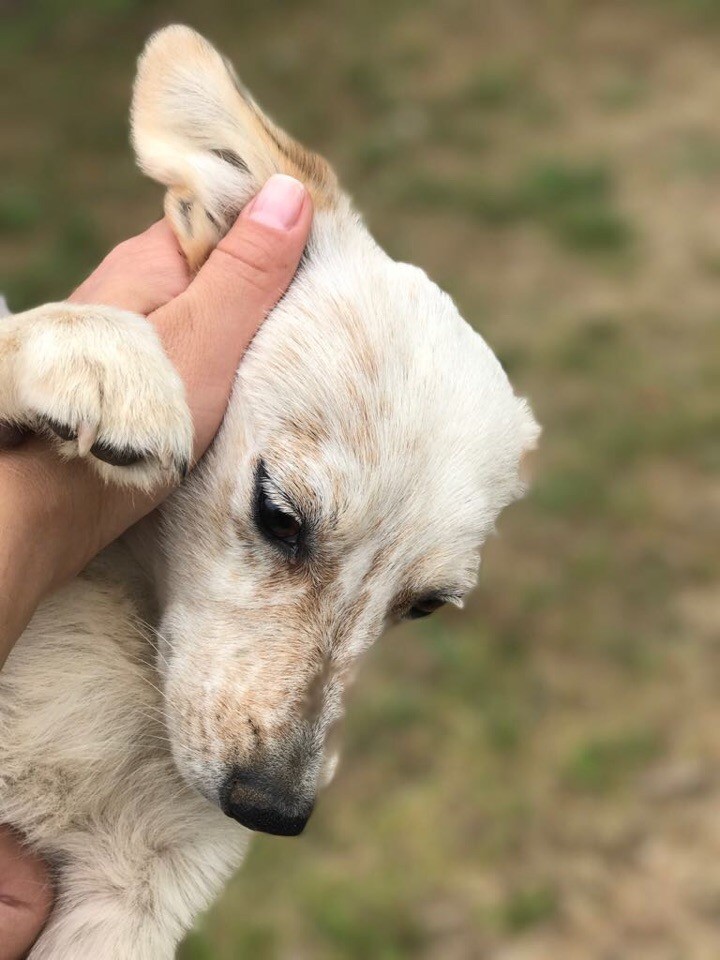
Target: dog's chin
196 780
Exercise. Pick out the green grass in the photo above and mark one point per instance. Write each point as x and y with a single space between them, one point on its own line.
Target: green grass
626 90
195 947
698 155
574 203
529 907
604 763
573 490
20 210
496 88
358 926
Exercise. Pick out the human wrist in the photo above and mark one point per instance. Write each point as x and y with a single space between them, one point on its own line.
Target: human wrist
50 521
26 562
55 516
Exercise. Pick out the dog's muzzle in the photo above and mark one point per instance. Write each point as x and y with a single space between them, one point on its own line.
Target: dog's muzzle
261 802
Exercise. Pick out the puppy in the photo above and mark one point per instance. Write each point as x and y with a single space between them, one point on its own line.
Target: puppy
181 692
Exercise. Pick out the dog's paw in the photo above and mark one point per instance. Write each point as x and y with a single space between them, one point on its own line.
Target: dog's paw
99 381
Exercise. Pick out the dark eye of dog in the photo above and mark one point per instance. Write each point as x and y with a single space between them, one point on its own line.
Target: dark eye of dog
425 606
275 521
278 524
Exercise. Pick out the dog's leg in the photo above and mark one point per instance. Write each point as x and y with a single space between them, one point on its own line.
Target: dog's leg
96 379
132 884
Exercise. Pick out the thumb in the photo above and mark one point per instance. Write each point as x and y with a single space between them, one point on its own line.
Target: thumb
208 327
250 269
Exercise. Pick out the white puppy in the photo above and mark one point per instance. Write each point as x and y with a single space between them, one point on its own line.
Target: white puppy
371 441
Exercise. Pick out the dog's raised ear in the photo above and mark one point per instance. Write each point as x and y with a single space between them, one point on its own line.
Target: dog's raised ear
198 131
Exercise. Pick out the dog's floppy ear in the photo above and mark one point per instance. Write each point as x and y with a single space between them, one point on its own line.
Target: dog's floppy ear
198 131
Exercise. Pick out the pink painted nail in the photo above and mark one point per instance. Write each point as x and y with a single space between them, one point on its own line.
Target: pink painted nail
279 203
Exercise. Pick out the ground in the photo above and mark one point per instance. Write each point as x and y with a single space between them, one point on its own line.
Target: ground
538 777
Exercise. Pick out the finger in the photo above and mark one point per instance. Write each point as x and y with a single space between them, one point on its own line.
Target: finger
207 329
260 254
25 896
250 269
162 232
140 274
158 240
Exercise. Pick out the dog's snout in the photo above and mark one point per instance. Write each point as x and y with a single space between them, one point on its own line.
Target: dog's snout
260 802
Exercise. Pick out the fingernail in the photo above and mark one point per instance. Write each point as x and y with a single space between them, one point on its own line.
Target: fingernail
279 203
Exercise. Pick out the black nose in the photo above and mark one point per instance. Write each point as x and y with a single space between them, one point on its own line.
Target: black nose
259 803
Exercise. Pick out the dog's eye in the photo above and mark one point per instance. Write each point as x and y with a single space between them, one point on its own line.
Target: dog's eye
276 517
424 607
277 522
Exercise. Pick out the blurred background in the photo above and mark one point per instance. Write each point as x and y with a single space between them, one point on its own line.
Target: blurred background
537 778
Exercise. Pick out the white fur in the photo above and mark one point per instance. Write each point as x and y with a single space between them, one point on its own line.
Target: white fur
103 373
378 412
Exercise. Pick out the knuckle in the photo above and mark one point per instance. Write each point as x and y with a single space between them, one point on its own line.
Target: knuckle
119 257
253 265
257 255
123 249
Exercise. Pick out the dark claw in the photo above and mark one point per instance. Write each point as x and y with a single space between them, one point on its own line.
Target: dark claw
183 469
62 430
117 456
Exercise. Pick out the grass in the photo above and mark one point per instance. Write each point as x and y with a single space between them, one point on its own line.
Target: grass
604 763
360 927
496 88
571 490
529 907
573 202
556 168
19 210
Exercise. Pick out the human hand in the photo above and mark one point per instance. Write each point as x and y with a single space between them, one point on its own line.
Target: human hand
26 896
205 324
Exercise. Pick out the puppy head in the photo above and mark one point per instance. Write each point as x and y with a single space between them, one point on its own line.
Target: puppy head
371 441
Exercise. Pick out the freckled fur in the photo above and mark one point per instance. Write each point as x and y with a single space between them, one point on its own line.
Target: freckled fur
194 645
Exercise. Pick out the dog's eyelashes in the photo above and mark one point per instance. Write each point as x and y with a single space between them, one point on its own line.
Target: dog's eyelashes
424 607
